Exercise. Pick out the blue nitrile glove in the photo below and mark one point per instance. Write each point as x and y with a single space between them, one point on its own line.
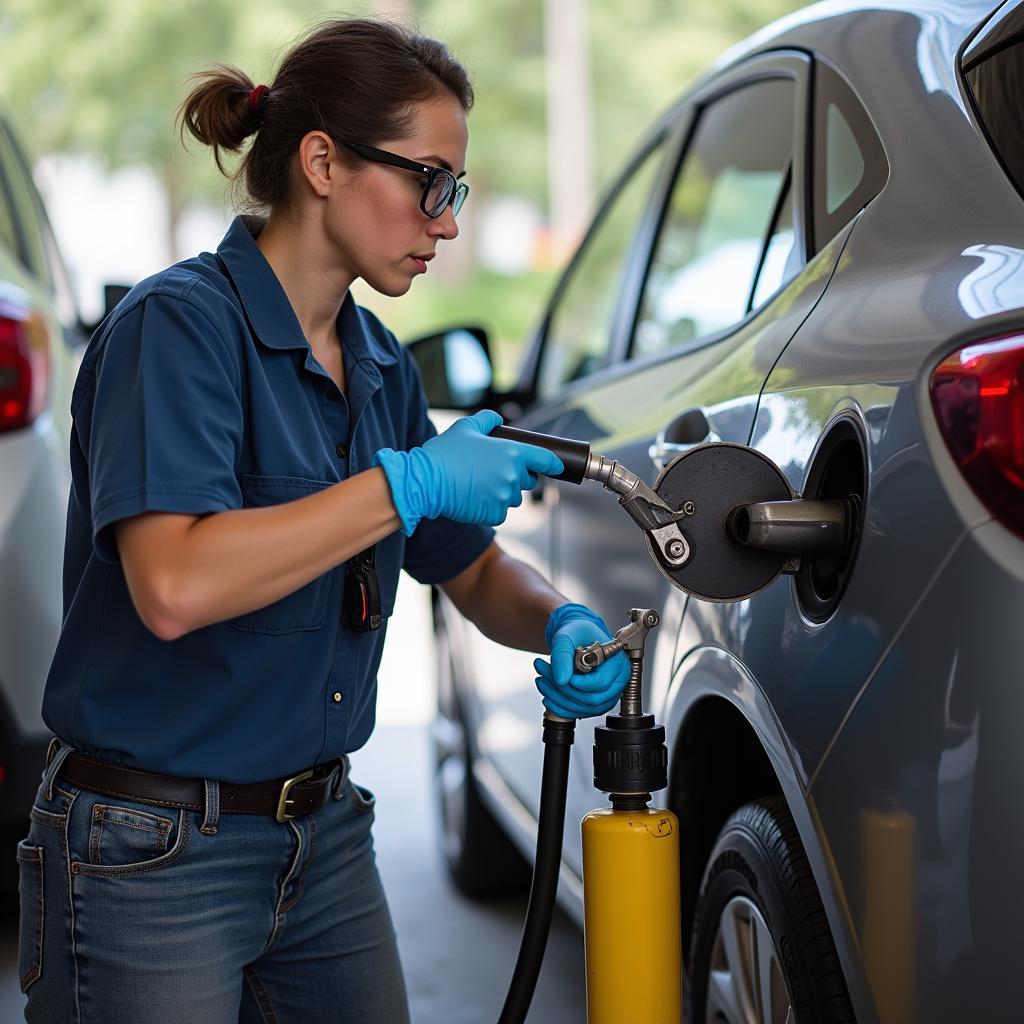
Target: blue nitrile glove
463 474
567 692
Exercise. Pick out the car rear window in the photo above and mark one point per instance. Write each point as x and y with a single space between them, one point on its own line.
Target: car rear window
850 167
996 85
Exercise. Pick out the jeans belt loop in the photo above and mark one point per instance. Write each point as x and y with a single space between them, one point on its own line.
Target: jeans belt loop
55 757
211 807
344 766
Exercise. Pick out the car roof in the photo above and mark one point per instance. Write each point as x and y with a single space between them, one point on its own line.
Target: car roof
830 28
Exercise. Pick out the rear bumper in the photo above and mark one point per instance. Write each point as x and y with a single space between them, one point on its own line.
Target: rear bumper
919 796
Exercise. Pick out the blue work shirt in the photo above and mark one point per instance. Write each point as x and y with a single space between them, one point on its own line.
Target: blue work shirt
200 394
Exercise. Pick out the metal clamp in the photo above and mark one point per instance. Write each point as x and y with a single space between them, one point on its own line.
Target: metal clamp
630 639
645 507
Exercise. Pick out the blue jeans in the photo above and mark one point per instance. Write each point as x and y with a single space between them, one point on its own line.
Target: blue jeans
136 914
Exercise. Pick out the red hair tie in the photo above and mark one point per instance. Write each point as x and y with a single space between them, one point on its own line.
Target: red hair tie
256 97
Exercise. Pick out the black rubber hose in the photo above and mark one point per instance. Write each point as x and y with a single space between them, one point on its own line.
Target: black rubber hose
558 737
574 454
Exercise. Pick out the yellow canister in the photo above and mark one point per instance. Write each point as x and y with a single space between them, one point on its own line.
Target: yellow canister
631 907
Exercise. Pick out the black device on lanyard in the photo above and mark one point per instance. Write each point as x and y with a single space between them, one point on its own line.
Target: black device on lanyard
361 605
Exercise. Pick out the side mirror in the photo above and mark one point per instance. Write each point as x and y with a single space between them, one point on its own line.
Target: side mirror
112 295
455 366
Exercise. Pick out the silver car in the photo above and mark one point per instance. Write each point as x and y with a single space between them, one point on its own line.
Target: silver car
818 252
40 336
38 332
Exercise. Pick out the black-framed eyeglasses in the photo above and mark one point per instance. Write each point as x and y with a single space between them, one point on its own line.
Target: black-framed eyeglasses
441 189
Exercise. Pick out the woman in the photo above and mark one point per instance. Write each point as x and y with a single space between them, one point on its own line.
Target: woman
251 451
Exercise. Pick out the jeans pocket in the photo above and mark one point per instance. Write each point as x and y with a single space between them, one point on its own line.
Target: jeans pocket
126 838
124 835
30 927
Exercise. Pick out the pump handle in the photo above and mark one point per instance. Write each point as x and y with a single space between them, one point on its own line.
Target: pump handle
574 454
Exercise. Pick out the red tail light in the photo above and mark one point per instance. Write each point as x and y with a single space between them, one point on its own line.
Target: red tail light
24 367
978 394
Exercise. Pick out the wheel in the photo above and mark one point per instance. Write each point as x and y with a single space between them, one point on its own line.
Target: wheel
480 858
761 951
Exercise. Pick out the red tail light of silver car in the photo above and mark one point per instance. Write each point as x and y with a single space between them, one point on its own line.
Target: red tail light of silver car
978 395
24 366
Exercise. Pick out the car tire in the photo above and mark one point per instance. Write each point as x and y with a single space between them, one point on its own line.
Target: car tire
481 859
761 949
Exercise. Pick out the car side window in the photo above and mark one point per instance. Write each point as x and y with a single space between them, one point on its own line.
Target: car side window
578 333
31 249
710 261
781 261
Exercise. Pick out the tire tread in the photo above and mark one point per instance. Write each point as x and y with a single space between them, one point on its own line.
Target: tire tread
767 824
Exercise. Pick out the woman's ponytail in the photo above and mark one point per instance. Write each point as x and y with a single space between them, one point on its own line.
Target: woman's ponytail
222 110
352 78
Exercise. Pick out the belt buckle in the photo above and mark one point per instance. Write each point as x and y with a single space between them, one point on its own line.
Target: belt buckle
286 787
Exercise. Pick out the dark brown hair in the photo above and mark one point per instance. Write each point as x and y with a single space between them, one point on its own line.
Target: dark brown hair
356 79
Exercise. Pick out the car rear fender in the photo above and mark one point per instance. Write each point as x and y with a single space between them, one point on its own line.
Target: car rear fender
32 508
725 748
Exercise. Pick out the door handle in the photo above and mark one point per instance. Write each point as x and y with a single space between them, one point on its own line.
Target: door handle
686 431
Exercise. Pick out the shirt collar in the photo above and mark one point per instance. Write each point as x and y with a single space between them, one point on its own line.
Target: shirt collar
267 306
358 333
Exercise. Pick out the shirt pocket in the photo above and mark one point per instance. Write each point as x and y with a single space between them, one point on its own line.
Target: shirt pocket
305 608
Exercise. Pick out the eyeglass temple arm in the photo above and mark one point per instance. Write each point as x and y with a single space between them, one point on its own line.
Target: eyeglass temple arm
384 157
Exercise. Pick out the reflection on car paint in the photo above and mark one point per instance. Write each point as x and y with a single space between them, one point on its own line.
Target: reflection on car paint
996 285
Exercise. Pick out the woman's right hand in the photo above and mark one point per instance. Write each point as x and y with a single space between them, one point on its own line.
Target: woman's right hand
463 474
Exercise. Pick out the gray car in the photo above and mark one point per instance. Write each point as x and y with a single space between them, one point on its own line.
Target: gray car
818 252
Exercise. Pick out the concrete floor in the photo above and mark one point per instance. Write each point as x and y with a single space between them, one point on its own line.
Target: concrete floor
459 975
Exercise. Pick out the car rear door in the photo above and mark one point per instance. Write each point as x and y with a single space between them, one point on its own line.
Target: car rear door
723 285
505 707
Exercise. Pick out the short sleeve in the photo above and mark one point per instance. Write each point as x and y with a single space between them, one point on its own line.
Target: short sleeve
161 427
439 548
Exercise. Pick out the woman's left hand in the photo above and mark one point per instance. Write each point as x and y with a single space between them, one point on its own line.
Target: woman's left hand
567 692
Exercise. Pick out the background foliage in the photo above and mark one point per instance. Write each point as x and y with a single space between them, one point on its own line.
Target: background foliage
106 76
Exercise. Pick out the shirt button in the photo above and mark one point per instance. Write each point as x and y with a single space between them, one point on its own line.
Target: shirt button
332 393
336 697
341 450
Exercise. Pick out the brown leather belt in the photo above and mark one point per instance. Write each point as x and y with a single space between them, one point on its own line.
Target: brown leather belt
283 798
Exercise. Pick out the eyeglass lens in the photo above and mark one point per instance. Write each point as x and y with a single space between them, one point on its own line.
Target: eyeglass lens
439 193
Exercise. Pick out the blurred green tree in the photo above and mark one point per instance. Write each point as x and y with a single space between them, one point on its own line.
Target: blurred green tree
106 76
645 52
